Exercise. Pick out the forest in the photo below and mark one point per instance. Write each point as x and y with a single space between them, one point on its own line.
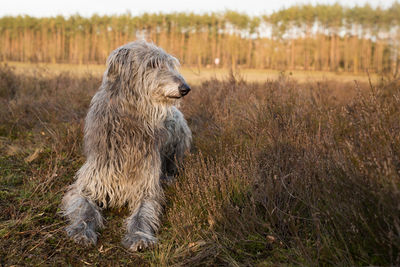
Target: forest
302 37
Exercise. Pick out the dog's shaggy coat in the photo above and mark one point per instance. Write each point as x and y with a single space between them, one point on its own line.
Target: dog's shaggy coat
134 136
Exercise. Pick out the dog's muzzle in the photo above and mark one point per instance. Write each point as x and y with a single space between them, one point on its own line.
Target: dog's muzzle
184 89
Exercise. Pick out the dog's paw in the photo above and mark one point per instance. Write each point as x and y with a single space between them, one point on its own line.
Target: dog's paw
139 241
82 234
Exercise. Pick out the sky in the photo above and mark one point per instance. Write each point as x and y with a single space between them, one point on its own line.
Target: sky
46 8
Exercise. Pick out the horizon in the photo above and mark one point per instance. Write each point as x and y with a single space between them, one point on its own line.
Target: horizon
46 8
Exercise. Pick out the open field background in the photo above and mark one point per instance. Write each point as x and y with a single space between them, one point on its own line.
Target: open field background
196 75
283 172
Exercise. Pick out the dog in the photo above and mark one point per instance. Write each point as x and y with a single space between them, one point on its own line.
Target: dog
134 137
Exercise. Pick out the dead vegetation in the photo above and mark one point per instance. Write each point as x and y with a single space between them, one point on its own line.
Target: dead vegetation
281 173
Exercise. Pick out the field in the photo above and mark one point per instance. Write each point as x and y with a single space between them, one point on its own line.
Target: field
284 171
196 75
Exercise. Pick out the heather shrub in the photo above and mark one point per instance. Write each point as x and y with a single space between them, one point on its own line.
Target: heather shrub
280 173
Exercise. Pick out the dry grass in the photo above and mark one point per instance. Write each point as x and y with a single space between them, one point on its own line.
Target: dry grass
195 75
281 173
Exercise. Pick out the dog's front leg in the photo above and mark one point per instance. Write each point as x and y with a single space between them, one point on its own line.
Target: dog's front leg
142 225
84 217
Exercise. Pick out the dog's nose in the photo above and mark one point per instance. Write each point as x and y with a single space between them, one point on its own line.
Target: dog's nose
184 89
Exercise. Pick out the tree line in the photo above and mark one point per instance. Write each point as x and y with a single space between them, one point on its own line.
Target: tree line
306 37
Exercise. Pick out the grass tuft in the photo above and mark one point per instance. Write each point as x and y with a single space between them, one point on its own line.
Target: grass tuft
281 173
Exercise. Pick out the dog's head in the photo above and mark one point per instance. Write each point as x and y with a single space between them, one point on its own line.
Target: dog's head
141 69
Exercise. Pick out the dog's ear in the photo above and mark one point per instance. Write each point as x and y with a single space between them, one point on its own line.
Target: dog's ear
116 62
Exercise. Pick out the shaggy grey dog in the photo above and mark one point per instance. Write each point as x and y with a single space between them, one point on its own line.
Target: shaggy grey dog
134 136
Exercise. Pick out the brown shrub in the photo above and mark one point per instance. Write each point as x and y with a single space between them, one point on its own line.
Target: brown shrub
280 172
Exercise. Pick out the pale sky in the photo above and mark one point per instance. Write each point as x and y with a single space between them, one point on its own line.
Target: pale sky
40 8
